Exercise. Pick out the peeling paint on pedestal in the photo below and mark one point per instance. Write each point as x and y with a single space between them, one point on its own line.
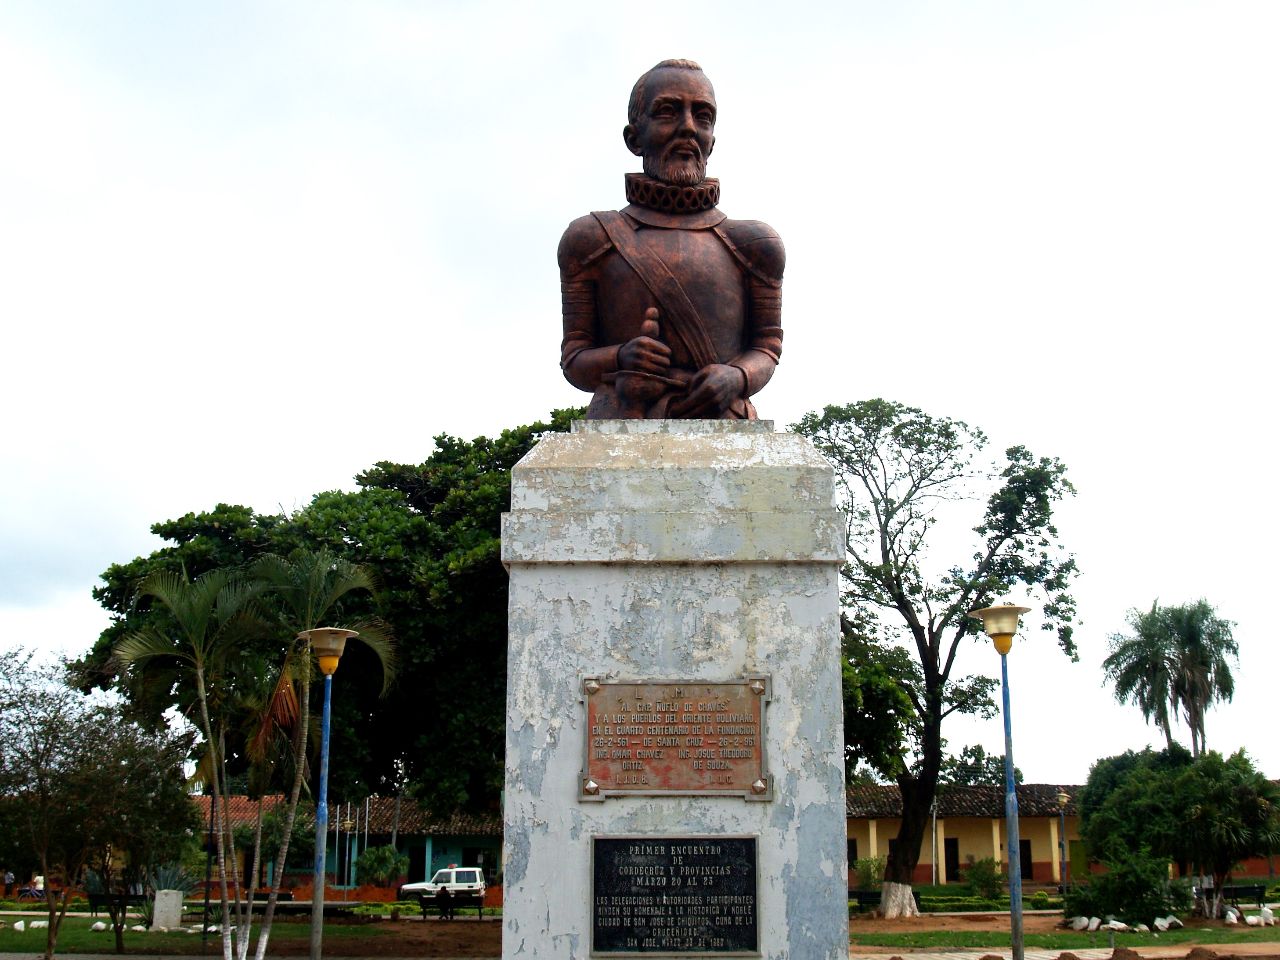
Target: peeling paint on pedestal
698 550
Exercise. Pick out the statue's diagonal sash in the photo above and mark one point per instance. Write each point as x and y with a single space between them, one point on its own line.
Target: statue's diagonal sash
680 319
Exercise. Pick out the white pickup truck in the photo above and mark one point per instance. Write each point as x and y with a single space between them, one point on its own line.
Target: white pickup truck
466 883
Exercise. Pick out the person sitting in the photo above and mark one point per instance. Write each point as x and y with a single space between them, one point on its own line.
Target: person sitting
444 902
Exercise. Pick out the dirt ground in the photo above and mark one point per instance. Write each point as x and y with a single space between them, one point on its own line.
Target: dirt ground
469 937
460 937
1031 923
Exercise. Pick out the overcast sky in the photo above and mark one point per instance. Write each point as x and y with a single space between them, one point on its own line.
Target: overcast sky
248 249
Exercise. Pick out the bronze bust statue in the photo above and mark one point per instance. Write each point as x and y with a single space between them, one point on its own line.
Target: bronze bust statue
670 308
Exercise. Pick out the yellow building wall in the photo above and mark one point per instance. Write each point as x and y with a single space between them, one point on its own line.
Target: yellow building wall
979 837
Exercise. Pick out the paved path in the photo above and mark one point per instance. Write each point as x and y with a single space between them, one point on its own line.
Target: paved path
1099 953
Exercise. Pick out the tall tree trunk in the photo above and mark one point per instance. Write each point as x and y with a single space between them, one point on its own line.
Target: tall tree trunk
243 935
295 792
215 767
236 919
917 792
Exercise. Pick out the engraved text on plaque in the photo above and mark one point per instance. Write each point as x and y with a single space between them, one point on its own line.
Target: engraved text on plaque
674 895
668 737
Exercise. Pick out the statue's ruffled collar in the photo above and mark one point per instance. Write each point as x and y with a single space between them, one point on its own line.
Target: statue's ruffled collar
661 204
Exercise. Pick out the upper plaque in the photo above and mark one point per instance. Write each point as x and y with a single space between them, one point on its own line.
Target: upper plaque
673 737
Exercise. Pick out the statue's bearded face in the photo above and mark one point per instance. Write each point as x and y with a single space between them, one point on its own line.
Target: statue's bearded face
676 129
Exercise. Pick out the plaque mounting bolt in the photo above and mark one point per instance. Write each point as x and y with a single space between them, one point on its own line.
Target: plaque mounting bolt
757 687
591 686
591 788
759 787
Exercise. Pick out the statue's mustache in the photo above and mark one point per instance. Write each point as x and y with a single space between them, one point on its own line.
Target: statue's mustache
681 163
683 146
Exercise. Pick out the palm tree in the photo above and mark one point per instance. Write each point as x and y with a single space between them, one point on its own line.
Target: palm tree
1204 644
210 617
1176 659
1140 668
309 586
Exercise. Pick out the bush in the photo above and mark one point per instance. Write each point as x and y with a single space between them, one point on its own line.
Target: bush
868 872
1136 890
381 865
985 879
1040 900
962 905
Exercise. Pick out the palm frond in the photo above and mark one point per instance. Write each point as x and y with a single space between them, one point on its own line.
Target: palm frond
144 644
376 634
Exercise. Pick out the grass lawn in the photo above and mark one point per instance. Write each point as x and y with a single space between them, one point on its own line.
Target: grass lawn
1066 940
76 937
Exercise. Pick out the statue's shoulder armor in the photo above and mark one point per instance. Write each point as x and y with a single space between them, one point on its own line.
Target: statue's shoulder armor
757 247
583 243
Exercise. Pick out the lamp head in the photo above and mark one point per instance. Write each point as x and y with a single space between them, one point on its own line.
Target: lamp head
1000 624
1063 799
328 643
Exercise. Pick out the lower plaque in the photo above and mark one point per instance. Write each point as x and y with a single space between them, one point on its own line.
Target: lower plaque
689 896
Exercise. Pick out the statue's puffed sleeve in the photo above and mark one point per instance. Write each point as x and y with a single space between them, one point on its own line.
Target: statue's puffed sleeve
759 250
583 363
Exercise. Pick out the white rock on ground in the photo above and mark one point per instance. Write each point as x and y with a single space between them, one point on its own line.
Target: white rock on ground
1268 916
1231 916
1174 922
100 926
1161 923
1141 928
139 928
1079 923
1253 921
1094 924
20 925
1119 926
39 924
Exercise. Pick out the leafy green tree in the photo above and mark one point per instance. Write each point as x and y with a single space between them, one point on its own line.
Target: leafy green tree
1230 812
84 786
1207 812
974 766
1176 658
1128 804
878 713
140 791
894 464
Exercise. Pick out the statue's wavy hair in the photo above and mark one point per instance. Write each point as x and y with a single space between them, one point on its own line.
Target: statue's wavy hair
637 92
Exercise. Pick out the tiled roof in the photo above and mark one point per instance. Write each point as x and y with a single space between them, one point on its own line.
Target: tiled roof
241 809
876 801
414 821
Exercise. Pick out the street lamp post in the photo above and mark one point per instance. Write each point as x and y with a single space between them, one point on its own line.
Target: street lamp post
1063 799
1000 624
328 644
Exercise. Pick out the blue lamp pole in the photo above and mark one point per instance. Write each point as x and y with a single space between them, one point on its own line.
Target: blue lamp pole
1000 624
328 644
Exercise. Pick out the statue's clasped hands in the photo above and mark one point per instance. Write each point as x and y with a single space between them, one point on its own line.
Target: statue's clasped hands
711 390
646 353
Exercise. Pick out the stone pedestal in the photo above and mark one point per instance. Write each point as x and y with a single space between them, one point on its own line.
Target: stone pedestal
679 551
168 910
